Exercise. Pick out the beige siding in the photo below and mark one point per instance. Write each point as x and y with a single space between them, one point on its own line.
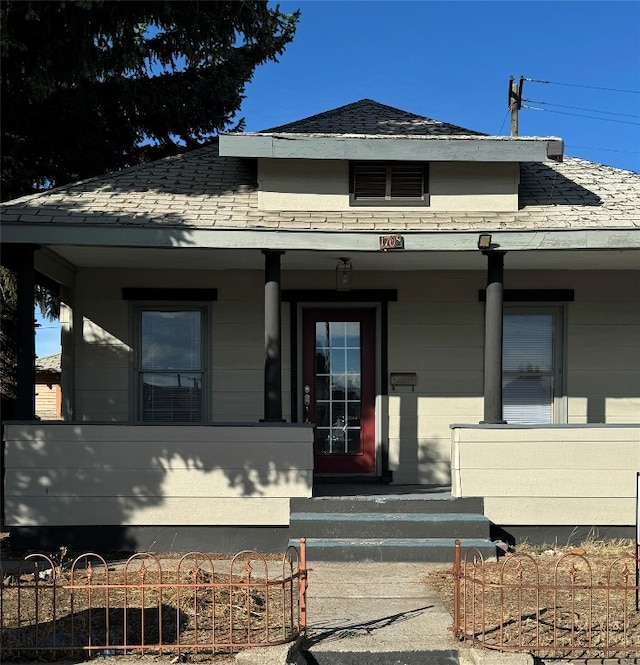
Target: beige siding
128 475
435 329
323 185
295 184
102 347
473 186
104 350
48 401
604 351
553 476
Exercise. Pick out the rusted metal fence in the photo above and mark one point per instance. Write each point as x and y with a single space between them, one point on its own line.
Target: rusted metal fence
192 606
576 609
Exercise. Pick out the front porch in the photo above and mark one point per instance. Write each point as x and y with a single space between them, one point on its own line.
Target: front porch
120 487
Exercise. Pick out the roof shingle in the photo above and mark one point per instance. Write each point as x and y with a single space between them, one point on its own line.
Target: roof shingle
200 189
370 117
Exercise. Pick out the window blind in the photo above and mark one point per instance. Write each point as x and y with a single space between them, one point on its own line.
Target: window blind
171 375
528 368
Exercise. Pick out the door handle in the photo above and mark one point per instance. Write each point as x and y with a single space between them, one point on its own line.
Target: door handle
307 403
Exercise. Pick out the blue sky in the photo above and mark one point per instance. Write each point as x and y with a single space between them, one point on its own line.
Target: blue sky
452 61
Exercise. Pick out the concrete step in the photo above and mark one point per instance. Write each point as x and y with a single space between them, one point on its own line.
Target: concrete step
432 657
440 550
388 503
388 525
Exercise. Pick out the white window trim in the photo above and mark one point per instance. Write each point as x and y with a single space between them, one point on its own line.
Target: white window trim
559 313
136 334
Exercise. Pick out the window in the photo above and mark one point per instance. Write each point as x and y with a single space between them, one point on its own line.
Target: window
389 183
170 374
531 365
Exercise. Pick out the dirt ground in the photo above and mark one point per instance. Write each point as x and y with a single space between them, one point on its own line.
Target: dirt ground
195 605
569 616
544 616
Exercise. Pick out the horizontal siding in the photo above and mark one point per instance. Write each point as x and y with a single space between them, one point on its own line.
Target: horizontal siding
582 313
111 379
238 312
66 432
245 405
132 511
599 336
159 482
429 358
237 334
543 483
546 456
553 476
458 408
102 405
47 401
407 312
67 474
606 383
610 356
429 472
582 511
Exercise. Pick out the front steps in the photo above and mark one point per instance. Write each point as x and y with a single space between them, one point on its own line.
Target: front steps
389 527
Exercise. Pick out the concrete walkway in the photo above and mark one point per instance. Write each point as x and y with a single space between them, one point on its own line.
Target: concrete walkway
375 614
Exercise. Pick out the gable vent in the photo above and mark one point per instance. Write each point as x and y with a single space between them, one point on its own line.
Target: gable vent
393 183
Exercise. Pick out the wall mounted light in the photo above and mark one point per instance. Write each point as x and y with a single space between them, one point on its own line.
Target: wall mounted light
344 271
484 241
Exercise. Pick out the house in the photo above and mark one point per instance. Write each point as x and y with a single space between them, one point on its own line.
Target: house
365 295
48 387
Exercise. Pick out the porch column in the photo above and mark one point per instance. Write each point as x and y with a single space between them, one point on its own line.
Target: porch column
272 341
493 338
23 260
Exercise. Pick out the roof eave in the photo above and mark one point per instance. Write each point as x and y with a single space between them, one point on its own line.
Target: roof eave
405 148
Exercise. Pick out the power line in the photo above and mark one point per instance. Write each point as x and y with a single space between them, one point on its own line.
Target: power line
506 115
580 115
580 108
577 85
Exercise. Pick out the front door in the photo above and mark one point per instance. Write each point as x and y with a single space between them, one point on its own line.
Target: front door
339 388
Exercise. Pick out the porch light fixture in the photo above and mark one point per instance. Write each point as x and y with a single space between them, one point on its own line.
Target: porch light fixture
344 271
484 241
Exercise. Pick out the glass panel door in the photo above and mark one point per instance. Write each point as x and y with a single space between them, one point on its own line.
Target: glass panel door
337 397
339 388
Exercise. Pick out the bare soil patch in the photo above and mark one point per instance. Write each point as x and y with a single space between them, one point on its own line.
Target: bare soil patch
536 597
193 606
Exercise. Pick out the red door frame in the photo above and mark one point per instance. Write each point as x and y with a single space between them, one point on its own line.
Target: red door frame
365 461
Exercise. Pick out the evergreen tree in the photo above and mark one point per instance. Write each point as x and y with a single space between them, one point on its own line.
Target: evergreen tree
92 86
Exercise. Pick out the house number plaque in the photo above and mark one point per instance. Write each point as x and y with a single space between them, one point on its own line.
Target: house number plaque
391 242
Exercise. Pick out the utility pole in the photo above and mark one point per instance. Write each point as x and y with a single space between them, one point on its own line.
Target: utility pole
515 102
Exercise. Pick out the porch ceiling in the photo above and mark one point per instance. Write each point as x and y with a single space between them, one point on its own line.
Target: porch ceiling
229 259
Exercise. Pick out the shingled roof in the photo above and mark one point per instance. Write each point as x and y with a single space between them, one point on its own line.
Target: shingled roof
370 117
200 189
50 364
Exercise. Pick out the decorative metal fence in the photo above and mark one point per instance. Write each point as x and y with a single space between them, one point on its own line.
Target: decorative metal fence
190 606
577 609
